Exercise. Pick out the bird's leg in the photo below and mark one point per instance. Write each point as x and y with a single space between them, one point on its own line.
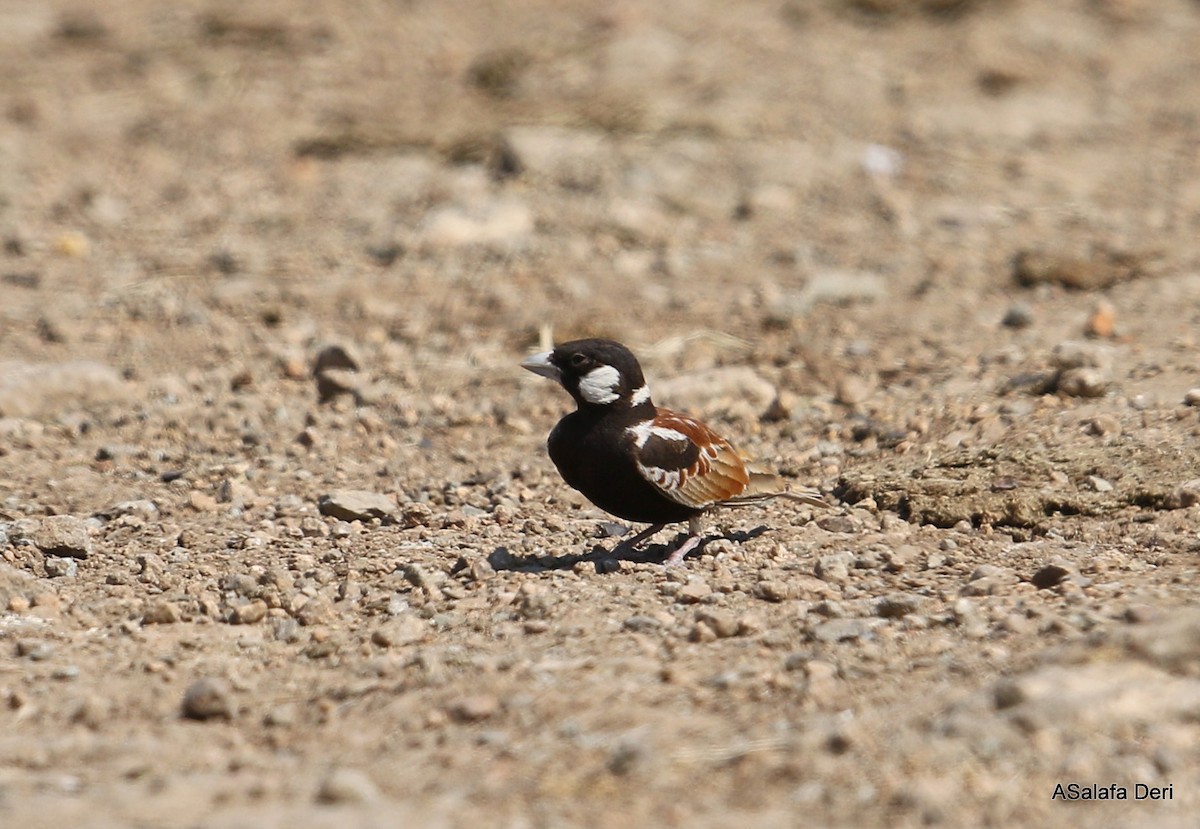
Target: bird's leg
688 544
633 543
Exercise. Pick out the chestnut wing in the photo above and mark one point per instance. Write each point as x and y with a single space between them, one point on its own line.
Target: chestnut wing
686 461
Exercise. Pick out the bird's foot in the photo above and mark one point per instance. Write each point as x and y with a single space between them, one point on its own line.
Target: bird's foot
676 558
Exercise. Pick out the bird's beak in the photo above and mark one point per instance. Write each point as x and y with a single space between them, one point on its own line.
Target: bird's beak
540 364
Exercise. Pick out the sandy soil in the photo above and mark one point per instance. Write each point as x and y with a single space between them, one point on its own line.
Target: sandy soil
939 259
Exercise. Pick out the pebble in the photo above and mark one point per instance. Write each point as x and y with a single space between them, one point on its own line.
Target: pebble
1032 267
318 610
1105 425
161 613
356 505
723 624
474 708
772 590
834 567
208 698
839 524
1103 320
841 630
346 785
1185 495
249 613
63 535
1018 315
1082 382
1192 397
897 605
61 568
852 390
1051 575
403 630
35 650
333 357
696 590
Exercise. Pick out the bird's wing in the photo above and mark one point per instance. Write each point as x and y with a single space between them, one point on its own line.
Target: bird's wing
688 462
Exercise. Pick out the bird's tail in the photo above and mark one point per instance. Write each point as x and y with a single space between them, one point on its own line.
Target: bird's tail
764 486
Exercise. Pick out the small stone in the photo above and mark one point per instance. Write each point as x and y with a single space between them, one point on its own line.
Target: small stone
695 590
34 649
1099 484
161 613
345 785
772 590
702 633
208 698
334 383
318 610
723 624
1101 269
356 505
641 624
1103 320
250 613
1051 575
897 605
1082 382
750 625
418 515
834 567
1185 495
852 390
838 524
313 527
403 630
481 569
1192 397
473 708
1018 315
61 568
334 357
1105 425
63 535
840 630
202 501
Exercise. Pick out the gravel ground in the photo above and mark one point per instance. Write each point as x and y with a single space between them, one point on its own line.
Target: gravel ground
279 541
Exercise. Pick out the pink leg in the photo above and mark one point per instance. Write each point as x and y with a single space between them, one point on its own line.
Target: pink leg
690 543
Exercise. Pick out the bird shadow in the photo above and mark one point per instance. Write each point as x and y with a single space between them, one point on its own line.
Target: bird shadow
607 561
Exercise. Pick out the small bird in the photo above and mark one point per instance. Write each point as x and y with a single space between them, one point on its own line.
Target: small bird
637 461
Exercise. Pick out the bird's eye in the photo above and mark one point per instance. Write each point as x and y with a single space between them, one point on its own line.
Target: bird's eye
579 360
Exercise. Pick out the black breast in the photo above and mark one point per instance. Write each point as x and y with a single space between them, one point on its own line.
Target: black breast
594 454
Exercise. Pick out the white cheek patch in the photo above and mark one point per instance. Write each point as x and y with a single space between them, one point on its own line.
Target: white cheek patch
599 386
640 396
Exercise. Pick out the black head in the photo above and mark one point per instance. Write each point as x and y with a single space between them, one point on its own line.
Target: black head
597 373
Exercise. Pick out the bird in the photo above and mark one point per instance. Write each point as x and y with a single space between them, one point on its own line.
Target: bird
640 462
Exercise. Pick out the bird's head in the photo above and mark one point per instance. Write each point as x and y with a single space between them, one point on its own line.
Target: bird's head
597 373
